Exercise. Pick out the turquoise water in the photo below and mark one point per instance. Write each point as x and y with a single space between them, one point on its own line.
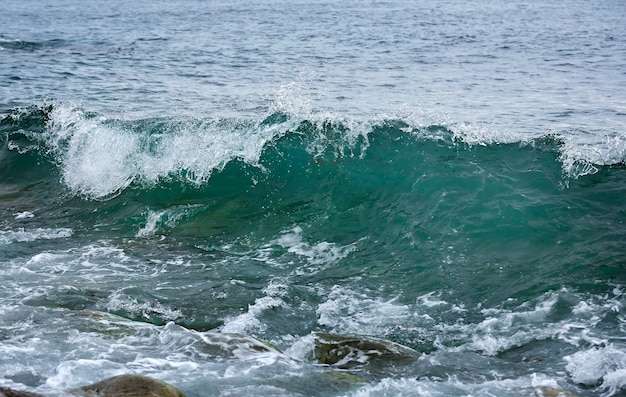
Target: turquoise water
179 182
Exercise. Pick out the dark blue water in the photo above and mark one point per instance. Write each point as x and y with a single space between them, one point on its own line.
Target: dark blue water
181 181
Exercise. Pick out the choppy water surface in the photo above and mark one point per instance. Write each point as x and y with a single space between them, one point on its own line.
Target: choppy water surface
195 191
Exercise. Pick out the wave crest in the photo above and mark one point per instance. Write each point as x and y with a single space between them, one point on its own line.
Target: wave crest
100 157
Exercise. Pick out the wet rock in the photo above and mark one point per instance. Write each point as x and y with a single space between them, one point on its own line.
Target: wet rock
130 386
6 392
350 351
231 345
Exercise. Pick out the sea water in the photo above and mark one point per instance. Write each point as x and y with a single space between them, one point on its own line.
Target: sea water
191 190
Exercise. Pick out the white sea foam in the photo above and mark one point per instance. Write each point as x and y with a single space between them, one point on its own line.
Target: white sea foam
294 98
249 322
535 385
89 263
27 235
108 345
599 365
24 215
502 329
431 299
318 256
151 223
347 311
100 158
508 329
97 159
301 348
480 134
120 301
311 258
614 382
112 345
582 154
155 220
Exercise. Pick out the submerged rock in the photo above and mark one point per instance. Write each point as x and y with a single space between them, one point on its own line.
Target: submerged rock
130 386
349 351
7 392
346 378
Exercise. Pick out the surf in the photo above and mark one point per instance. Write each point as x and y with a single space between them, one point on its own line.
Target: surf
99 158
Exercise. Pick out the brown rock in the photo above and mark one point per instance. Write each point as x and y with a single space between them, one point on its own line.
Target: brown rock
348 351
130 386
6 392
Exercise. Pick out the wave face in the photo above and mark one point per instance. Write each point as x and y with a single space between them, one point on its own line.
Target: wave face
99 158
388 187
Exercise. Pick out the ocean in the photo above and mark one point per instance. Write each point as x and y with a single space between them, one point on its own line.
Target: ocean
207 192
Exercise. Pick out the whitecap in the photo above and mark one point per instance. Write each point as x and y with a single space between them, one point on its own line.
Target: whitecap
100 157
24 215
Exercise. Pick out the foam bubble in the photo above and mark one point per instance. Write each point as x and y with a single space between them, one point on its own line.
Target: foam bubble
151 224
68 371
136 349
